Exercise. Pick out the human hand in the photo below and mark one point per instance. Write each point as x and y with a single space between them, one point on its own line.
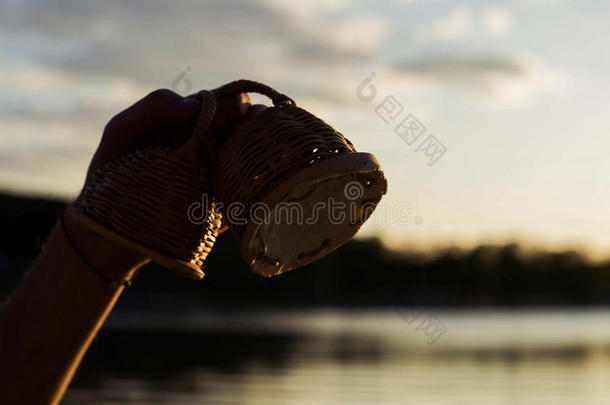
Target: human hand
161 118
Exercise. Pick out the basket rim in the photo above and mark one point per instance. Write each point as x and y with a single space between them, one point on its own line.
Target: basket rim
187 269
349 163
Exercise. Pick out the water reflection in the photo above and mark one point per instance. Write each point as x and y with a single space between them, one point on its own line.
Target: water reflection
558 357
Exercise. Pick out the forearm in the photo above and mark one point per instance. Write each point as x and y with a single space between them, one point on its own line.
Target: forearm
55 313
48 324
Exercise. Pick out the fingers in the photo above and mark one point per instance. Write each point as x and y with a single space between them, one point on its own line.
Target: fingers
153 119
161 107
163 118
166 118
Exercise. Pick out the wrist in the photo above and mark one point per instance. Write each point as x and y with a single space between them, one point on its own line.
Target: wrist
108 257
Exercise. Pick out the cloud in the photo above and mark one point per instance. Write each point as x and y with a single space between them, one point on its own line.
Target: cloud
463 69
497 21
363 32
463 22
114 53
417 1
308 8
47 87
349 34
67 72
45 156
150 43
74 70
510 81
547 2
455 25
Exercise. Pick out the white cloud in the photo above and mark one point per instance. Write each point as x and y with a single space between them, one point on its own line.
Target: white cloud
47 157
497 21
307 8
547 2
416 1
45 86
463 22
517 91
455 25
352 33
45 95
363 32
498 82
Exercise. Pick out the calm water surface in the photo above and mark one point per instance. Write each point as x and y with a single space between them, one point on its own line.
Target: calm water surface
396 356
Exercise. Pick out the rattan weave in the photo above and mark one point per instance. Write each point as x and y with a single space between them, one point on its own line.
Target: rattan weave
144 197
284 154
262 158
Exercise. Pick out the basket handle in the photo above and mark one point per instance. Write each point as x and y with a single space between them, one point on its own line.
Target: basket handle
200 140
250 86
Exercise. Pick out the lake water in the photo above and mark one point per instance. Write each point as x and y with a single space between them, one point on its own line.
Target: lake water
395 356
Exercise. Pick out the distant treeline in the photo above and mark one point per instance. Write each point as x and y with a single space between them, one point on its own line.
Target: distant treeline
361 273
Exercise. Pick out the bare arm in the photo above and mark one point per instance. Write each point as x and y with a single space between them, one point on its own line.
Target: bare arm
55 314
49 323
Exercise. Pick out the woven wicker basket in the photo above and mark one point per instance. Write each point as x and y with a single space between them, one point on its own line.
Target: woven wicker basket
142 200
280 174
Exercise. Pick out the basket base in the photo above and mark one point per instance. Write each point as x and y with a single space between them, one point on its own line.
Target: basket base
312 213
187 269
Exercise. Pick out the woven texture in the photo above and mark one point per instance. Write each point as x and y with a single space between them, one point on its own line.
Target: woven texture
266 150
145 196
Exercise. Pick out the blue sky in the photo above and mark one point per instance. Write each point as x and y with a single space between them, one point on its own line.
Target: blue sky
515 91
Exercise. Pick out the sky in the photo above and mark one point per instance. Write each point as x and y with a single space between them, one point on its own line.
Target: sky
514 92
